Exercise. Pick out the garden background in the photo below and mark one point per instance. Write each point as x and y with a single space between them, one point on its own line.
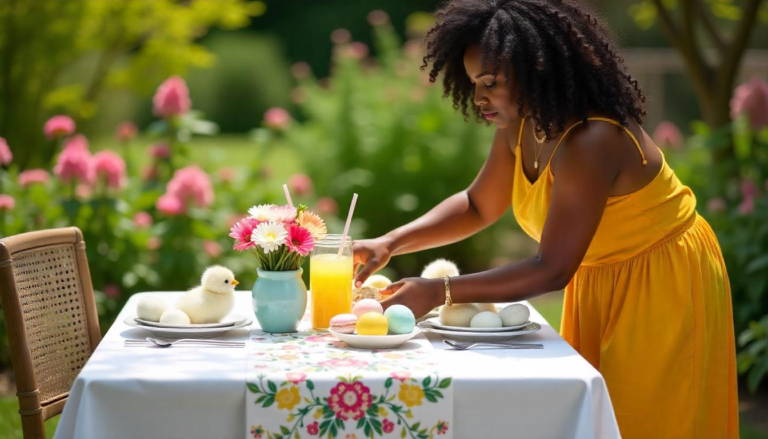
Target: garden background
153 125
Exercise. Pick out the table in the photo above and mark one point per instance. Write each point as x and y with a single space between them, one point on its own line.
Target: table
200 393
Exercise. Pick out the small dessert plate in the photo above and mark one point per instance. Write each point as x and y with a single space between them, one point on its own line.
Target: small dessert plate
229 320
435 323
481 336
188 331
375 341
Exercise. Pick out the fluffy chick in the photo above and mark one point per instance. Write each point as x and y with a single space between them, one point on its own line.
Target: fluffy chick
439 269
213 299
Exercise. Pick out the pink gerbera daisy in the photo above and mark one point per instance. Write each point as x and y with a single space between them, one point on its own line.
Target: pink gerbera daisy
242 232
300 240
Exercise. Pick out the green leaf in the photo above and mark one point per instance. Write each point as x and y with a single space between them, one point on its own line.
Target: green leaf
261 399
426 382
310 385
430 397
388 383
253 388
269 401
757 374
340 424
284 430
445 383
415 426
367 430
376 426
757 264
333 431
272 386
360 423
402 433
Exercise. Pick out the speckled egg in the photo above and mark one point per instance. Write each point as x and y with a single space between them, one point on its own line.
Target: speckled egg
515 314
485 319
365 306
372 324
401 319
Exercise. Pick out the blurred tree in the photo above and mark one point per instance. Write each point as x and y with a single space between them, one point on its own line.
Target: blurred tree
727 28
57 56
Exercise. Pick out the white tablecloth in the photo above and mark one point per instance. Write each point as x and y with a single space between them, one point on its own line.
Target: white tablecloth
200 393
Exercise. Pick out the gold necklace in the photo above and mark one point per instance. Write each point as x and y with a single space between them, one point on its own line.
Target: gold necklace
537 149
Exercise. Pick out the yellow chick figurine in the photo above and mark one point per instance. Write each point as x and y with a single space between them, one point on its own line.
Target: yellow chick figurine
213 299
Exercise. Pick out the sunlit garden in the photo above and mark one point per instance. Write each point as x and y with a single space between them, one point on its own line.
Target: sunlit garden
154 126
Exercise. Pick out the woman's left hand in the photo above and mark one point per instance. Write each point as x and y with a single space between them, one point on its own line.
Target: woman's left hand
418 294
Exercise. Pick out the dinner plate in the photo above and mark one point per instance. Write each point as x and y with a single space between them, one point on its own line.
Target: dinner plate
435 322
375 341
187 332
481 336
229 320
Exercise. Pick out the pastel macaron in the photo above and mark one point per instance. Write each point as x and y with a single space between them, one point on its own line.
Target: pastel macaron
344 323
372 324
367 305
401 319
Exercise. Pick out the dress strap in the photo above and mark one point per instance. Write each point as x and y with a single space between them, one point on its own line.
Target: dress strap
520 134
601 119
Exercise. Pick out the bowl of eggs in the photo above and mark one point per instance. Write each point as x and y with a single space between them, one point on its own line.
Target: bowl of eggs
481 322
370 327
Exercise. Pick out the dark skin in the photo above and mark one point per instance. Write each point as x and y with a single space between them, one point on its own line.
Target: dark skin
596 161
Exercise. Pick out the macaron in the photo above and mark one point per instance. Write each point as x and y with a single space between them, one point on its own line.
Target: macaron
401 319
344 323
367 305
372 324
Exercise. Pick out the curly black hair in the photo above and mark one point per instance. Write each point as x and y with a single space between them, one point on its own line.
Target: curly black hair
564 60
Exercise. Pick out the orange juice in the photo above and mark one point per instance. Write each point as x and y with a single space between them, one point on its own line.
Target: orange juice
330 282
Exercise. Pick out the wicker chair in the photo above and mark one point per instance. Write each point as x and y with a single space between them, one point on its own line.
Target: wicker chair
50 314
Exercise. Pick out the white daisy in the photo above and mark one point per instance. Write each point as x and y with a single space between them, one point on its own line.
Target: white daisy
283 214
269 236
261 212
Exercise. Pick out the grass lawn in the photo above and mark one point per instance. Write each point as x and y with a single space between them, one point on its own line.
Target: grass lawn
10 421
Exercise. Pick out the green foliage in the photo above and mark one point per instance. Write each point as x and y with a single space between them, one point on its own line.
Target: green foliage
376 128
59 56
645 14
753 358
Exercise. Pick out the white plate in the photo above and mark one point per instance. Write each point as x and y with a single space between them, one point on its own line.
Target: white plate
229 320
375 341
187 332
435 322
481 336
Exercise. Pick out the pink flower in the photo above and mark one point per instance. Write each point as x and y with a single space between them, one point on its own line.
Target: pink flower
442 427
142 220
212 248
7 202
751 98
300 184
301 70
227 174
716 205
126 131
300 240
378 18
59 126
357 50
74 163
343 362
667 134
341 36
154 243
172 98
83 190
77 142
171 205
32 176
388 426
350 400
296 377
277 118
6 156
402 376
748 189
747 206
110 168
283 214
242 232
327 206
112 291
191 185
160 151
313 428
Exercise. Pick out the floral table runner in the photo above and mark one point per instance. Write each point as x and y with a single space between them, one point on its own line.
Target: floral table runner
309 384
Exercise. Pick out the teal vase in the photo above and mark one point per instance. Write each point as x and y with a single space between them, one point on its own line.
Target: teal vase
279 300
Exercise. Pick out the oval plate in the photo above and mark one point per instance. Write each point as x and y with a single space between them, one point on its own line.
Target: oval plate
481 336
229 320
435 322
375 341
186 332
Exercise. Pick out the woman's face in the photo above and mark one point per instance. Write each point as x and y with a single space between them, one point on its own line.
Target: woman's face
496 97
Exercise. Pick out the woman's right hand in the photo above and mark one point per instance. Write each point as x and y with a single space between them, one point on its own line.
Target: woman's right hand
372 254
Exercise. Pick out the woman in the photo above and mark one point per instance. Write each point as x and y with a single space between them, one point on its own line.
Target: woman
647 299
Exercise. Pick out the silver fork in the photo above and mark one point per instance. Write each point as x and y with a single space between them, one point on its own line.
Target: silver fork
186 342
499 345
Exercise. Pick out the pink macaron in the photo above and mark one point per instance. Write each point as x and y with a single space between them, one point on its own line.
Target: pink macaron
367 305
344 323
